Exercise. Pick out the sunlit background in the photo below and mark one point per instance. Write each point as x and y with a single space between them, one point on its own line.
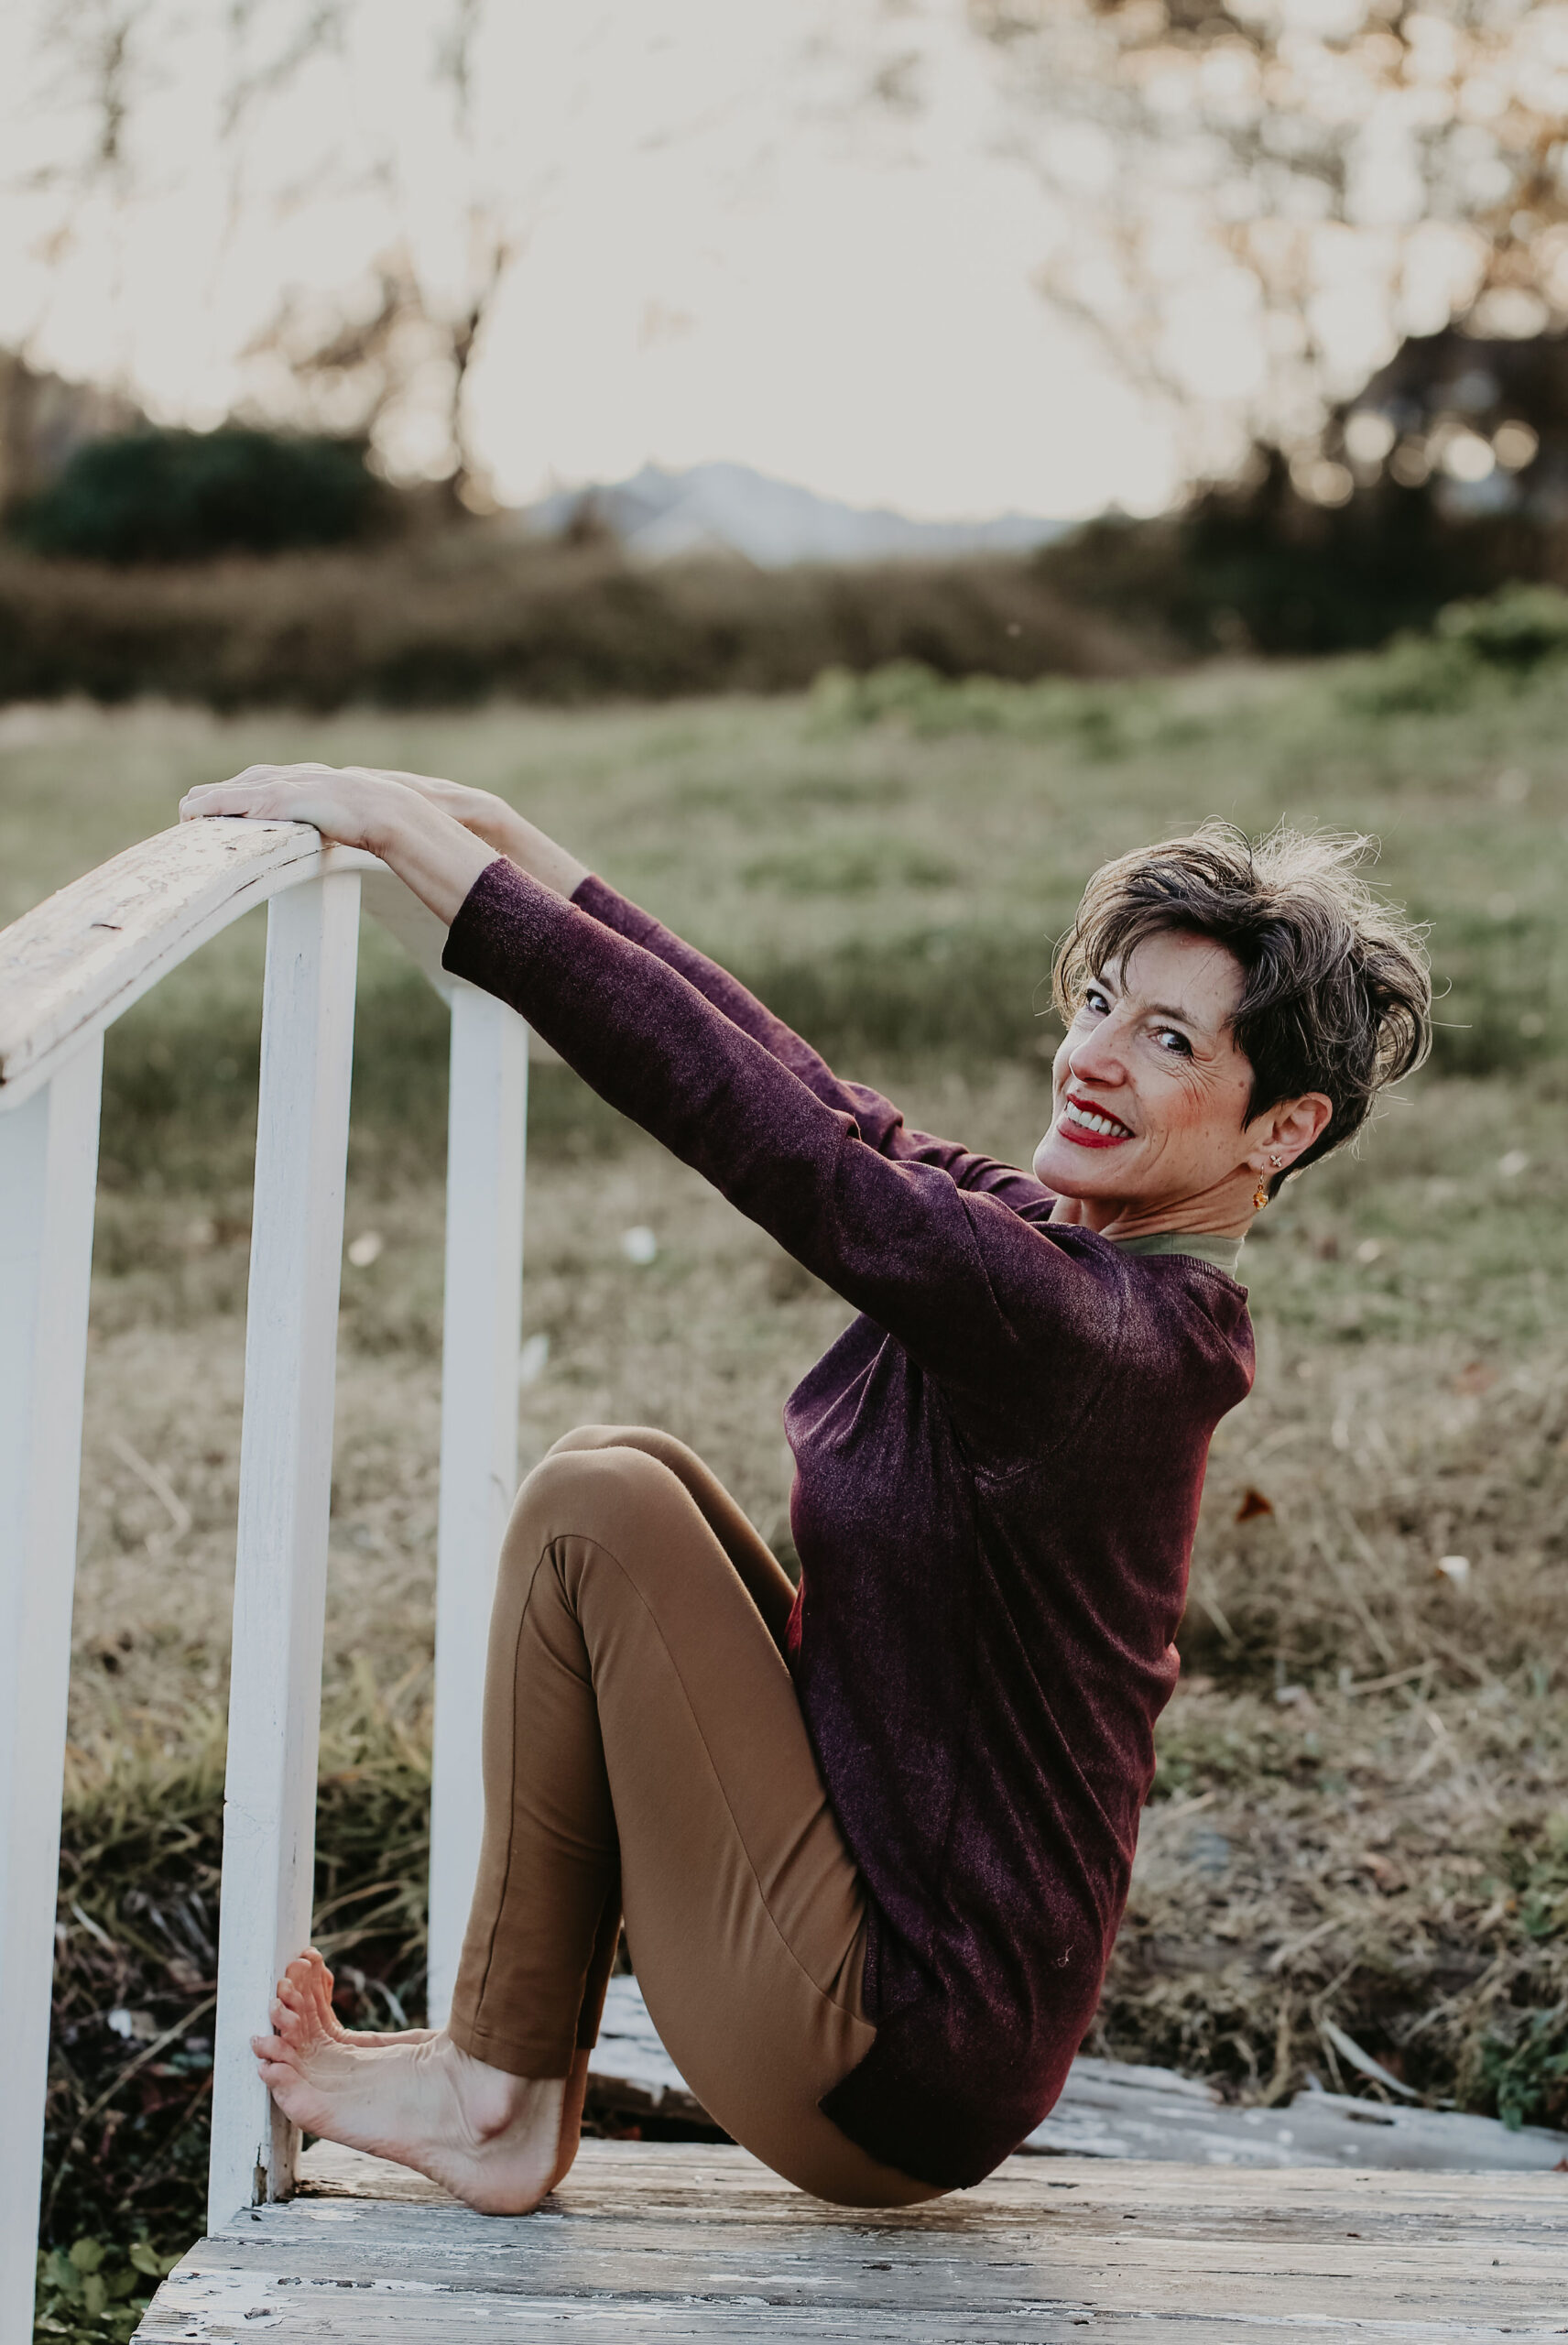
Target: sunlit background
953 258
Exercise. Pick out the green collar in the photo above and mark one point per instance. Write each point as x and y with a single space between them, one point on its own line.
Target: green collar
1223 1253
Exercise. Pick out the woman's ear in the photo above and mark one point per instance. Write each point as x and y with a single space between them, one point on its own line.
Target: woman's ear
1288 1130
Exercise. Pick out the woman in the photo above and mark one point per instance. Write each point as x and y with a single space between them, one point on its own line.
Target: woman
872 1842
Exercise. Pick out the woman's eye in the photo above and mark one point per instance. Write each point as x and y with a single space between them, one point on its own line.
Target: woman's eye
1170 1038
1094 1001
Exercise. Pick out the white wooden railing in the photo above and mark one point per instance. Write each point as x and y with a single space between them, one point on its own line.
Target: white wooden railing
68 969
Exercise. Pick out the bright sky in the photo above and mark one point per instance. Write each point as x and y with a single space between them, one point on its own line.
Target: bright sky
724 248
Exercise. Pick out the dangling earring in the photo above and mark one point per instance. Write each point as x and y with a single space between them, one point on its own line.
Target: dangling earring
1260 1194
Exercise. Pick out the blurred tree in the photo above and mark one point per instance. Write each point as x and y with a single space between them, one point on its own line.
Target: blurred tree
1260 199
185 495
390 359
341 190
43 421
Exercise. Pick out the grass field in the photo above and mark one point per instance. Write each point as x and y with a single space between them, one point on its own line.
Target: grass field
1362 1812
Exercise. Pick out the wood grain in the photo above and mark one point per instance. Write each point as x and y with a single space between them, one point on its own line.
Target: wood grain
79 960
286 1462
1116 2108
671 2242
481 1333
49 1165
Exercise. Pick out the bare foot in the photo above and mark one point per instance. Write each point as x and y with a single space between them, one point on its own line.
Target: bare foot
308 1984
495 2140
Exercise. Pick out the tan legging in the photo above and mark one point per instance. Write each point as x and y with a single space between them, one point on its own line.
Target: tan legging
644 1746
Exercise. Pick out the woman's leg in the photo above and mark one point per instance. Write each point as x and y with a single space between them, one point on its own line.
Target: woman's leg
762 1575
642 1737
652 1726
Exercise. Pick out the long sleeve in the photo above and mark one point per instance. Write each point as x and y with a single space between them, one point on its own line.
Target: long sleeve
951 1271
879 1122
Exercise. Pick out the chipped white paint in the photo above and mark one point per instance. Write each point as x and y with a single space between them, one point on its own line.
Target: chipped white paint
1119 2109
480 1340
68 969
653 2241
78 961
1112 2108
48 1163
285 1470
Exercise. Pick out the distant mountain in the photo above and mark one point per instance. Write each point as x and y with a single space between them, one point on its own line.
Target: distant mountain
728 509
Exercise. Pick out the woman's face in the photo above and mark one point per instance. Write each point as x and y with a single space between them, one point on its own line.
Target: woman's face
1150 1092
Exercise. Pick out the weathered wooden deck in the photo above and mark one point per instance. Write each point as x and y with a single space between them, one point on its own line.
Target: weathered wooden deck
667 2243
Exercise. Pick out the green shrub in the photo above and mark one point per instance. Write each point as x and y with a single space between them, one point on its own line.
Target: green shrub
89 2292
1516 628
447 619
185 495
1478 649
1415 677
1525 2074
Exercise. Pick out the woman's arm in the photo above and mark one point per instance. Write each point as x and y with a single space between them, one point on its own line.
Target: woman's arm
880 1124
990 1305
438 838
497 824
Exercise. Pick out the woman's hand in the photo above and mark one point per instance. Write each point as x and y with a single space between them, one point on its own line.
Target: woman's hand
348 804
373 808
479 810
351 806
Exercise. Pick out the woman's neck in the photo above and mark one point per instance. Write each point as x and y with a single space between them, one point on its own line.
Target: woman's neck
1224 1212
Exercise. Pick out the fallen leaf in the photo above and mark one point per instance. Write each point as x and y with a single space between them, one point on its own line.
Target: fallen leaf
1252 1505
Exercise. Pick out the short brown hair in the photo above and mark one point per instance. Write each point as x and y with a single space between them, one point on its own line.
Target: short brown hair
1336 994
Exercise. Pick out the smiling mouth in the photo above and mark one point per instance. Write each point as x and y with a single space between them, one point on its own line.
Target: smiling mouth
1089 1127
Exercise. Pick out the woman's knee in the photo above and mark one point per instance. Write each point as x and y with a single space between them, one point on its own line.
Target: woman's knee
592 1437
597 1492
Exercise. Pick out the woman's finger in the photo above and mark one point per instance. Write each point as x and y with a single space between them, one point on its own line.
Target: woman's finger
211 797
353 809
258 799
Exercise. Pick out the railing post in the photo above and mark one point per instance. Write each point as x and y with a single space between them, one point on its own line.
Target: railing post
48 1164
485 1127
285 1457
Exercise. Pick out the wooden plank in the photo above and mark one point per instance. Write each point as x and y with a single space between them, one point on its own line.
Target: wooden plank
49 1163
656 2240
79 960
1112 2108
1116 2108
285 1457
629 2071
481 1333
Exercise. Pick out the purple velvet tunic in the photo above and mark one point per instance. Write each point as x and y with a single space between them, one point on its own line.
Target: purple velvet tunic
998 1467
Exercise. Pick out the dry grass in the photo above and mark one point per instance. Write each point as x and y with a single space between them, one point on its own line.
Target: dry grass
451 618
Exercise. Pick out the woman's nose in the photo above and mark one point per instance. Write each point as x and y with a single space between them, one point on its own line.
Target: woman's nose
1096 1057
